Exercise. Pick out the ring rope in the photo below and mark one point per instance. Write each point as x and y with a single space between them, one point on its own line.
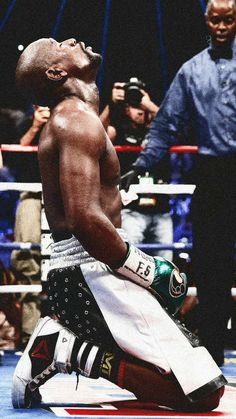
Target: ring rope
17 186
19 148
9 289
19 246
174 149
118 148
164 188
37 187
179 246
169 189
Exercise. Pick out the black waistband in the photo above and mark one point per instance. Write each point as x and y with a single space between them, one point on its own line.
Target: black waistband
61 235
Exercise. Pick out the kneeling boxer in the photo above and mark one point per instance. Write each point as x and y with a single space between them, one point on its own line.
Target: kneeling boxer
113 304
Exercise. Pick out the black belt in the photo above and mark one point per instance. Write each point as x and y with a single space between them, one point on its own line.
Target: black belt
61 235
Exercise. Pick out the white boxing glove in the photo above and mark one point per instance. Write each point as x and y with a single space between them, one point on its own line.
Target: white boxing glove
164 278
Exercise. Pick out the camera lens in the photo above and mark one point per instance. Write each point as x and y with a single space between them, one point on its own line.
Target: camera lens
133 96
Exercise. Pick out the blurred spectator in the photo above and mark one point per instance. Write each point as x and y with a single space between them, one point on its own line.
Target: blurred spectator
10 312
126 118
10 306
26 263
10 123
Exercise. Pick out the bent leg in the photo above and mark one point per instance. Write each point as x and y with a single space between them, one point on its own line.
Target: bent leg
66 352
131 319
149 385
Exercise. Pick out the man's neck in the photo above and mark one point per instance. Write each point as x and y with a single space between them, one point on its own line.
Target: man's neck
224 46
221 50
86 93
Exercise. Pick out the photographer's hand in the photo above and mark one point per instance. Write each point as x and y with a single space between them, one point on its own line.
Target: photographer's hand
147 105
41 116
117 96
118 93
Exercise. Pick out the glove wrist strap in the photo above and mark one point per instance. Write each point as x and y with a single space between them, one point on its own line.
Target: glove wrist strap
139 267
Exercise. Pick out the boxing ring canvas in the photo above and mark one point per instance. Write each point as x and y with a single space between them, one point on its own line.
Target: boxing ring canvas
100 398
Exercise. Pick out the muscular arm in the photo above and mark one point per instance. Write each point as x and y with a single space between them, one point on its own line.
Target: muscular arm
82 147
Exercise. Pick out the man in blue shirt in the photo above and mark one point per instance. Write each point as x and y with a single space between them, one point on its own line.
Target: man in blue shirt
203 94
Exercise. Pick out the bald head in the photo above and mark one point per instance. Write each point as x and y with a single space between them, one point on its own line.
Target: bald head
31 70
48 69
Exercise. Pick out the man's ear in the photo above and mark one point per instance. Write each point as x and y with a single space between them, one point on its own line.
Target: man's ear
55 73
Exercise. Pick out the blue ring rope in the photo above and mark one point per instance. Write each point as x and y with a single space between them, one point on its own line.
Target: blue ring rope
7 15
163 54
58 18
100 77
179 247
203 4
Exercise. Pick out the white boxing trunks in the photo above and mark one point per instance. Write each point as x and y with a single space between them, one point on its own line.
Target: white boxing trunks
137 322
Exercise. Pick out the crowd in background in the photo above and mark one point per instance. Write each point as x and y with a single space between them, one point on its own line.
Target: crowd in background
147 218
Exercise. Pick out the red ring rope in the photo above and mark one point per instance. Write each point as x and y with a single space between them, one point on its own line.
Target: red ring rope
19 148
119 148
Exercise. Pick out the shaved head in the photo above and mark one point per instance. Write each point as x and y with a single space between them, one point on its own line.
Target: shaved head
48 69
32 66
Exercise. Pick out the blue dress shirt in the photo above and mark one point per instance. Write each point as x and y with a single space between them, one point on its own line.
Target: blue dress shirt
203 92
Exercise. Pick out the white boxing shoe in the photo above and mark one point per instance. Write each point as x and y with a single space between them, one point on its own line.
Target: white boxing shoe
51 349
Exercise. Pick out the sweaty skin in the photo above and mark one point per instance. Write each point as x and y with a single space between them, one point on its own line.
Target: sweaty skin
78 164
80 176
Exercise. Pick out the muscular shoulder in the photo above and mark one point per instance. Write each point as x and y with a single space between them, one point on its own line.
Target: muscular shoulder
74 125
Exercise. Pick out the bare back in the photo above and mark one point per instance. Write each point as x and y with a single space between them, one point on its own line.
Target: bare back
80 171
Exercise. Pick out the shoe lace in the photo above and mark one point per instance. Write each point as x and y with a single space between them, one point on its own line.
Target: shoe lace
44 376
48 373
77 380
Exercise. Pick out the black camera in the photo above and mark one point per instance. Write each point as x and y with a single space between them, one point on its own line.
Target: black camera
133 94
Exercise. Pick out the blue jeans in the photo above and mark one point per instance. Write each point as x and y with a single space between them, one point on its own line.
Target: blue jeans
148 228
